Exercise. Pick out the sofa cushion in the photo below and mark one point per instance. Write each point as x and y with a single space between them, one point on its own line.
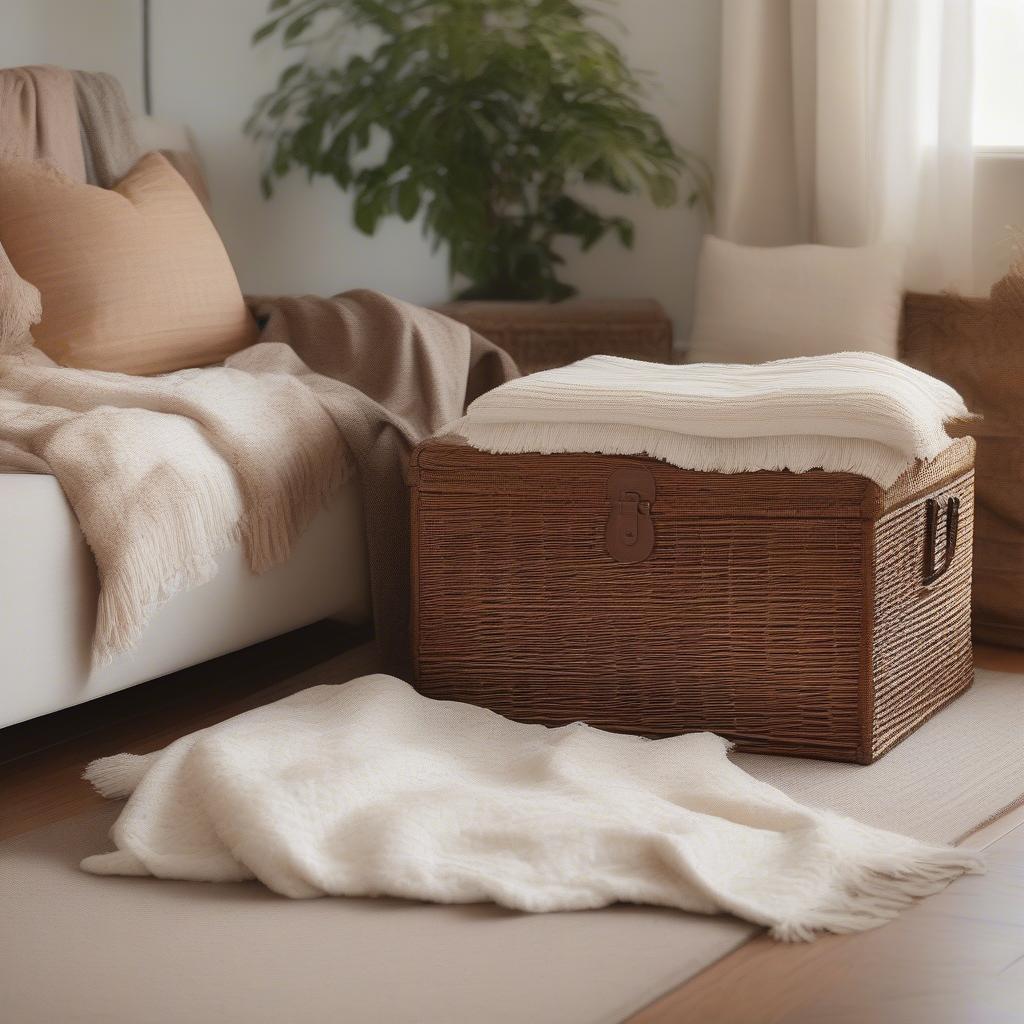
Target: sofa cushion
133 279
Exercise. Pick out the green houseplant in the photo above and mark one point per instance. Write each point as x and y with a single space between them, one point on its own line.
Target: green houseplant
478 115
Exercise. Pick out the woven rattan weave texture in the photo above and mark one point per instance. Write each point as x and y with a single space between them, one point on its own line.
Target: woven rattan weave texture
787 612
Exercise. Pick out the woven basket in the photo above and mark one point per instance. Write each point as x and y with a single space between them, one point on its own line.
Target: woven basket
977 346
541 335
790 613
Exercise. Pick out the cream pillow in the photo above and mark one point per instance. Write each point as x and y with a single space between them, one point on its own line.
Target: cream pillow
133 279
756 304
20 307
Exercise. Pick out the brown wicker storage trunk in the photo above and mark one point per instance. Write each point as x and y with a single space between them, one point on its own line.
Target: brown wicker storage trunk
810 614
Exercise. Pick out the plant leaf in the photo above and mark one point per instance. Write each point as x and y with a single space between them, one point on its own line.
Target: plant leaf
624 229
263 31
408 199
295 28
479 117
367 211
289 73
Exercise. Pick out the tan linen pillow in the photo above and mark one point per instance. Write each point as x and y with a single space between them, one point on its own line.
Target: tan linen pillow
134 279
19 307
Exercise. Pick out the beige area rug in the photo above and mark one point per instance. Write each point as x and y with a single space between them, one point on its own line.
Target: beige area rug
959 770
84 949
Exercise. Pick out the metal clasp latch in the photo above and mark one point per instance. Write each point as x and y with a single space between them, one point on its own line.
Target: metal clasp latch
629 508
629 532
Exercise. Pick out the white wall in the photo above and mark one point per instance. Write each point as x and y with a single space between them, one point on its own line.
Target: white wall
677 41
91 35
206 74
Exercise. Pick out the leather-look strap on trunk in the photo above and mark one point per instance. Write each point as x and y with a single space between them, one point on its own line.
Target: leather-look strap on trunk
629 533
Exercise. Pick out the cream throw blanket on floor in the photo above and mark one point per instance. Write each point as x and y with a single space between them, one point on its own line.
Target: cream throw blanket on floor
855 412
369 789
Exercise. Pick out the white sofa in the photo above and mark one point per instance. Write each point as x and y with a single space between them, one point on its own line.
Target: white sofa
48 591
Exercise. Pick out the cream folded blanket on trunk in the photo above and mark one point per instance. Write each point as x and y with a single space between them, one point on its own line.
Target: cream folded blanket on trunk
370 789
855 412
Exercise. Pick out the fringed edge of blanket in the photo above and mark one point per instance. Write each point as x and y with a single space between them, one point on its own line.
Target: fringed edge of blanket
117 776
154 570
309 479
873 894
871 459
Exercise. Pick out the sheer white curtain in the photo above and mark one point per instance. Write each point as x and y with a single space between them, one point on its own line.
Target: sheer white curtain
848 122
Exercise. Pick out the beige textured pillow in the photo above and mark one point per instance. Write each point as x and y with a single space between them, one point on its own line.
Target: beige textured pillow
20 307
756 304
134 279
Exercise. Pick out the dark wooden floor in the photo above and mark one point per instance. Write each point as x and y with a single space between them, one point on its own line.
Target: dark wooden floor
41 761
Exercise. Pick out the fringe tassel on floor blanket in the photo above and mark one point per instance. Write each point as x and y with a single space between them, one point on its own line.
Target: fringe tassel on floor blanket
370 789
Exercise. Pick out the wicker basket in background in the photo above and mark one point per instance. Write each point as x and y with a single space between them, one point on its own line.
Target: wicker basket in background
977 346
542 335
